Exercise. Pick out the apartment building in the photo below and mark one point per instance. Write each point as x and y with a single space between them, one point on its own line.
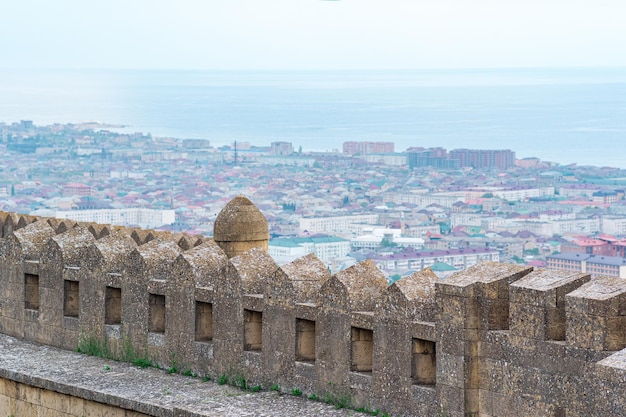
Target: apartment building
325 248
335 224
595 265
141 217
353 148
613 225
484 158
392 159
581 226
418 260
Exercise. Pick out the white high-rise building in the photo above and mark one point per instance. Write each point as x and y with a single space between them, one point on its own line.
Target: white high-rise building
142 217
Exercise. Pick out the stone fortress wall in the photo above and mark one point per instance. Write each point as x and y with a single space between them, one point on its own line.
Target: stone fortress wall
493 340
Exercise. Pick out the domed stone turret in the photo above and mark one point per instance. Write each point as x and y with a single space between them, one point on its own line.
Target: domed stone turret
240 226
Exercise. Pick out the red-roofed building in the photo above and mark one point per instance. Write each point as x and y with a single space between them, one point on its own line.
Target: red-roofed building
586 245
618 248
75 188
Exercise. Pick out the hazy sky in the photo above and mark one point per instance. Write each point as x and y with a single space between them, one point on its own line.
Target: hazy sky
311 34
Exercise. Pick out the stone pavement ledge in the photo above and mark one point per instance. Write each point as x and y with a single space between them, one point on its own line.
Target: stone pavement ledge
150 391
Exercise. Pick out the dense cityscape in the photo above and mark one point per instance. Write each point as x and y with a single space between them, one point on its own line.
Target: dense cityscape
409 210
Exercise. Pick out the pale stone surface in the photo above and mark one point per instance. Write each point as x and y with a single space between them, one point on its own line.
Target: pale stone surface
149 391
307 274
255 267
364 284
32 238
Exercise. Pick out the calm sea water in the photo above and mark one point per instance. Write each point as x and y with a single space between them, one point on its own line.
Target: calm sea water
561 115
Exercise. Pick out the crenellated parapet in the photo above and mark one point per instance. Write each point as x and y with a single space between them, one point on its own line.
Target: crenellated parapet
596 315
493 340
471 303
404 333
346 320
538 304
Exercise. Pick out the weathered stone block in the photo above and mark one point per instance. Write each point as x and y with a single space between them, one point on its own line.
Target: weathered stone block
450 370
497 314
23 408
8 388
451 400
528 321
599 326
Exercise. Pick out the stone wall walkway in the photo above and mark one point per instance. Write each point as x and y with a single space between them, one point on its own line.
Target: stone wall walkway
150 391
